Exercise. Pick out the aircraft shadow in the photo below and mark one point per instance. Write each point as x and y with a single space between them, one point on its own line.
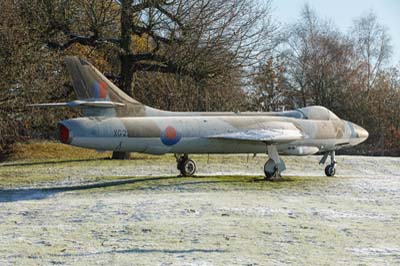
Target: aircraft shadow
23 194
144 251
11 195
52 162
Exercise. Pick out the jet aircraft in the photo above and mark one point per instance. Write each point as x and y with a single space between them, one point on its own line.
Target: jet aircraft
113 121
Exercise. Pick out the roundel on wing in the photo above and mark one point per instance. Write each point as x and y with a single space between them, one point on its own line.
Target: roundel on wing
169 136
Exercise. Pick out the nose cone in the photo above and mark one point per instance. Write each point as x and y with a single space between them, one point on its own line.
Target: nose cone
362 134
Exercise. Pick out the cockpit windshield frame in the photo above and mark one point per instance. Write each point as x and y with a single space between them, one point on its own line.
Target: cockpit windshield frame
317 113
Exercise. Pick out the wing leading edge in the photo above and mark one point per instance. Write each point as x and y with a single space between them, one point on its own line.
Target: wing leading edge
263 135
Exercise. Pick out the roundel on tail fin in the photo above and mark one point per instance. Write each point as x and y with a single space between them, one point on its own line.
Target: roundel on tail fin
100 90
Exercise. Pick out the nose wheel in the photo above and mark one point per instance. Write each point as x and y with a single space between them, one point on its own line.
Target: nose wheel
185 165
330 169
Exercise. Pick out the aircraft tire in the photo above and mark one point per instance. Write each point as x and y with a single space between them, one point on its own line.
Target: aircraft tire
330 170
188 168
269 176
181 161
270 169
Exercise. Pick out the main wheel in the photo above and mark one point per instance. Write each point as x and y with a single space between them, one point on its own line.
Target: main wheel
269 175
270 169
180 161
188 168
330 170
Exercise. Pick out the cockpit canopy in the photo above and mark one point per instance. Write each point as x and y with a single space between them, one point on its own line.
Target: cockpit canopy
312 113
318 113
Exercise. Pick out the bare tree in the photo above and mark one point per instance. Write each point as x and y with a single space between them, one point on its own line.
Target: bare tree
372 44
24 80
269 91
319 62
196 38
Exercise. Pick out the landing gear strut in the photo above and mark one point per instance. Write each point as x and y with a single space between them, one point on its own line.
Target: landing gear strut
330 169
274 166
185 165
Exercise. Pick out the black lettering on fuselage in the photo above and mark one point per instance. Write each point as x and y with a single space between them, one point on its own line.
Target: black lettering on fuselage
120 133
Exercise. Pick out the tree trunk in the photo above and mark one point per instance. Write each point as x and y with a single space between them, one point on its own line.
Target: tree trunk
126 41
126 64
120 155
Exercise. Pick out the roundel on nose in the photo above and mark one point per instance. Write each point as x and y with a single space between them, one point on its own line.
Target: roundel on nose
170 136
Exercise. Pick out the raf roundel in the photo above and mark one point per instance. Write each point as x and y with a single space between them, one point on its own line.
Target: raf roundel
100 90
169 136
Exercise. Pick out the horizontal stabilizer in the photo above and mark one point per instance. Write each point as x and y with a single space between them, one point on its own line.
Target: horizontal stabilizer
81 103
263 135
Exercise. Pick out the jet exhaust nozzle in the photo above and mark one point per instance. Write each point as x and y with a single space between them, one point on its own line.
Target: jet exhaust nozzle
65 135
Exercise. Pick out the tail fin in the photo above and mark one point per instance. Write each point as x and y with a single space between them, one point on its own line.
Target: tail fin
97 96
92 86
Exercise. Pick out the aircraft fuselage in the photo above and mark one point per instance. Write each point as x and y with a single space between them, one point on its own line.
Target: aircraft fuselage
195 134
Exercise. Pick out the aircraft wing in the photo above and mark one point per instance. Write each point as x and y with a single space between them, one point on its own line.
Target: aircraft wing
263 135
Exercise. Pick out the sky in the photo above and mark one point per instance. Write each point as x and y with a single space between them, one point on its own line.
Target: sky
343 12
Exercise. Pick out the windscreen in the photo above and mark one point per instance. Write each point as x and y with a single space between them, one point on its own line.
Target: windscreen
318 113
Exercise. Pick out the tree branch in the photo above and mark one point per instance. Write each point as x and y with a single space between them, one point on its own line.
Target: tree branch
171 16
147 56
92 41
141 30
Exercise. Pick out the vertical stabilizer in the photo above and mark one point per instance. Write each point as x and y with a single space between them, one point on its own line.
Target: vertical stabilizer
91 85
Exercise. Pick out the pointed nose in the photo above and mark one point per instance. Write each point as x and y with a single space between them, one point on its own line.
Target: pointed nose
361 132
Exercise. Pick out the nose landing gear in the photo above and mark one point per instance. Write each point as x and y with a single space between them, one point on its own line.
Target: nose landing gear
185 165
330 169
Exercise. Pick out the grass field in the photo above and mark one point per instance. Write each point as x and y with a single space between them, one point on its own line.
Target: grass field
70 206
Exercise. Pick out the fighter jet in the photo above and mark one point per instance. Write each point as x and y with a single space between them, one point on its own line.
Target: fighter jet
113 121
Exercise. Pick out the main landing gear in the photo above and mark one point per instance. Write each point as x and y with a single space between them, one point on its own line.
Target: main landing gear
185 165
274 166
330 169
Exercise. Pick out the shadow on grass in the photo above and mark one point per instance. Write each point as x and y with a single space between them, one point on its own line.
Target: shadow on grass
236 182
53 162
12 195
144 251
